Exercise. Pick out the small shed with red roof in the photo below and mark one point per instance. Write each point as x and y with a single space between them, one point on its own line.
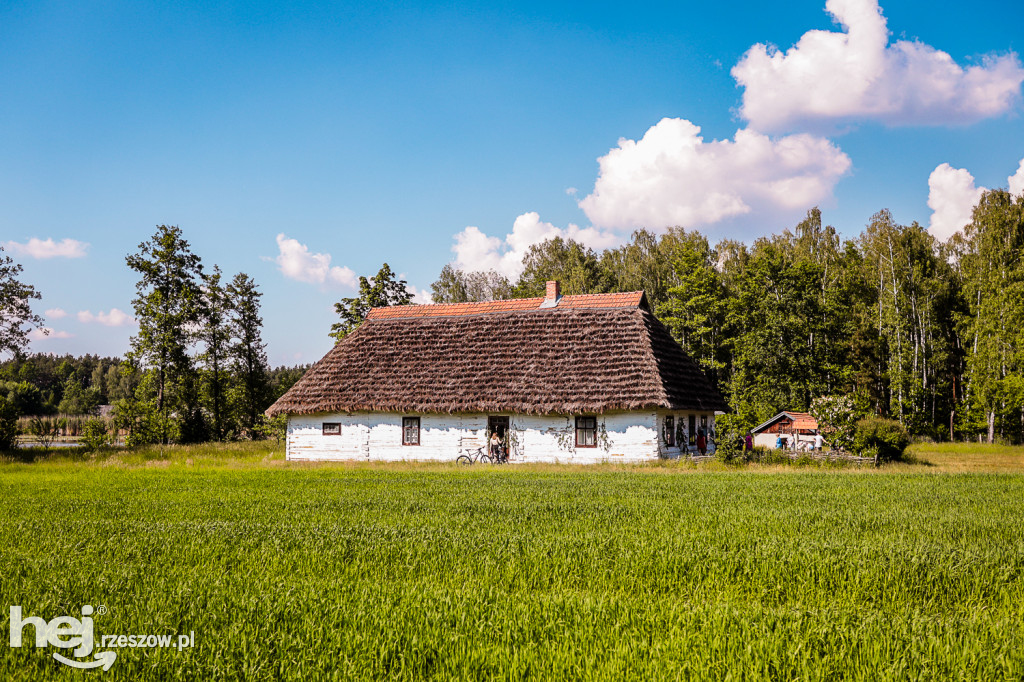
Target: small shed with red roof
792 426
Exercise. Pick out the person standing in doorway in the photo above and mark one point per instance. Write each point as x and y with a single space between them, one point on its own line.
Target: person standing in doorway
495 447
702 443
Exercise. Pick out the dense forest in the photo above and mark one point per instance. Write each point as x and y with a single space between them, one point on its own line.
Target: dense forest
47 384
912 329
923 332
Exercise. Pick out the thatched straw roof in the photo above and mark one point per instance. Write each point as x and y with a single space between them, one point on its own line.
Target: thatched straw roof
589 354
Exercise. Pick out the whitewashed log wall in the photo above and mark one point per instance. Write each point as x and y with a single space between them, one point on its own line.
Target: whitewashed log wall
622 437
681 417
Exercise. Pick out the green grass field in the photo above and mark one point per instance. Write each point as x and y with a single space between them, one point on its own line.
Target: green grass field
288 571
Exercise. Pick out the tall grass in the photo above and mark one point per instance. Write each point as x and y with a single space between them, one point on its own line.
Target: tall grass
309 572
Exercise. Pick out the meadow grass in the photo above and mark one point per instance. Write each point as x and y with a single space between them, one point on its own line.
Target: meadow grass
412 571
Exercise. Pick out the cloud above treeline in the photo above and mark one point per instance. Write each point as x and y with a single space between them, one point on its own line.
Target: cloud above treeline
43 333
953 194
477 252
838 78
671 176
47 248
114 318
764 177
296 261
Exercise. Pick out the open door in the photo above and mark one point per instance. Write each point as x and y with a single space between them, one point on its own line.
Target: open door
498 425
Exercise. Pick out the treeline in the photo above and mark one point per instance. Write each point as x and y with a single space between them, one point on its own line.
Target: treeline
44 384
929 334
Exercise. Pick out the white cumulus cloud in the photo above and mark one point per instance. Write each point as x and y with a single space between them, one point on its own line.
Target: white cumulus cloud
671 176
55 313
115 318
47 333
1016 181
857 74
419 296
478 252
953 194
296 262
47 248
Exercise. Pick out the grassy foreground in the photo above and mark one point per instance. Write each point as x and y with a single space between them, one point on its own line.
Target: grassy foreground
288 571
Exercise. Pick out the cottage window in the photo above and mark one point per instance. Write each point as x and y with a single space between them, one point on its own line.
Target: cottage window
410 431
586 432
670 431
693 429
331 429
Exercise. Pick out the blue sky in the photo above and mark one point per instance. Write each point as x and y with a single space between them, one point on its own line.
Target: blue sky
278 135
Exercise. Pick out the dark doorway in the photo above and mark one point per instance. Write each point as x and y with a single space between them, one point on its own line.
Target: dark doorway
499 425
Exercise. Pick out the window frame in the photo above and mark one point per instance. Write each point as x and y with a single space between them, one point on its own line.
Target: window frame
592 429
669 430
335 430
406 425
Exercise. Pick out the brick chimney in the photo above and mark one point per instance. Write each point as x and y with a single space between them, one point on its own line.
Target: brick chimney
552 294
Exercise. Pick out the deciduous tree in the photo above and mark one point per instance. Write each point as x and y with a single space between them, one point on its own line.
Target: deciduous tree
16 316
384 289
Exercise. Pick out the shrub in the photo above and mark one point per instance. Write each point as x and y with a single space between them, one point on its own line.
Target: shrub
729 431
94 435
277 427
8 424
883 439
758 454
837 419
46 430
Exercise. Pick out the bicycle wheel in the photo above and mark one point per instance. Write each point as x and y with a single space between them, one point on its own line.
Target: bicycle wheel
485 459
463 459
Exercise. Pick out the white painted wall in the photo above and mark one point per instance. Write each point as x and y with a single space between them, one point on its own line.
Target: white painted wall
768 439
622 437
683 418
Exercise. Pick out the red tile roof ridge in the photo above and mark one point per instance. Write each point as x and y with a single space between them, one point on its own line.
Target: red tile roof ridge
629 299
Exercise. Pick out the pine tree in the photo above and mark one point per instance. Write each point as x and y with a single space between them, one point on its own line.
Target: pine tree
168 307
248 352
215 335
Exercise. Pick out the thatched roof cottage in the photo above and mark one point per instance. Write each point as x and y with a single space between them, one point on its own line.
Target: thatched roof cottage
560 378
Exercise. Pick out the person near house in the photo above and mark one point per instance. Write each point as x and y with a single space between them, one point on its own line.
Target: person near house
495 446
779 443
702 443
748 442
819 441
